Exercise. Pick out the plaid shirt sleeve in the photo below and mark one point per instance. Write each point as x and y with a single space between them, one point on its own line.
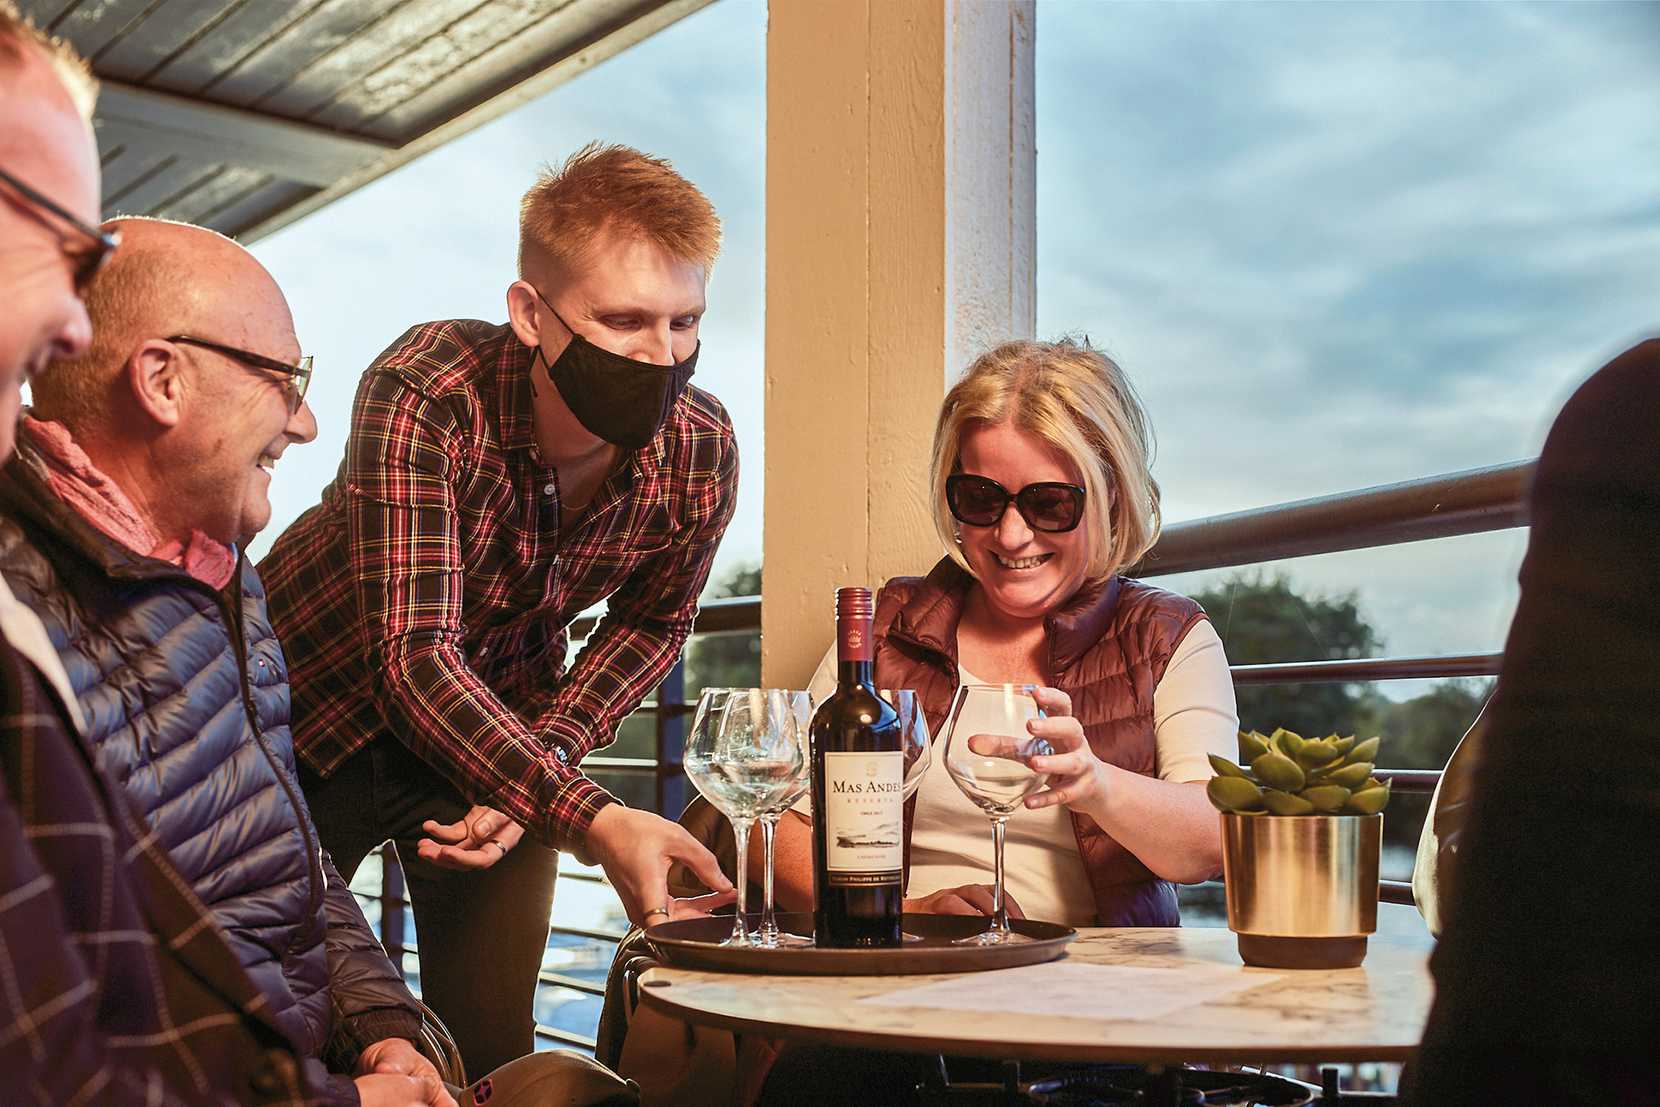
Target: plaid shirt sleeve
646 622
401 461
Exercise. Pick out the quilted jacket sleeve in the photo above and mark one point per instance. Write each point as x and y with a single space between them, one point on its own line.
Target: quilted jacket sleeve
367 992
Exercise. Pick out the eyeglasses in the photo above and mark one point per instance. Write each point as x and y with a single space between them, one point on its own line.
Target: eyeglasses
1049 506
298 377
87 260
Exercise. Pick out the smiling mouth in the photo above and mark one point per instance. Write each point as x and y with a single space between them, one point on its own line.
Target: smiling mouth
1021 562
266 462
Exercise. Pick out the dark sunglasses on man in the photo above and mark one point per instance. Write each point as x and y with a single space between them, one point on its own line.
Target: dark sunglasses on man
297 378
87 259
1049 506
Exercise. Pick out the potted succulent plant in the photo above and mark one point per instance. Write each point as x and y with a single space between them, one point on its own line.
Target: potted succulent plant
1302 832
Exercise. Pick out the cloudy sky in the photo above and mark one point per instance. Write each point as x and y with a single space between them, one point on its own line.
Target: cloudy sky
1336 245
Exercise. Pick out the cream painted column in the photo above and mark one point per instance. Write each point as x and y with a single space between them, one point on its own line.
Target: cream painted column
900 242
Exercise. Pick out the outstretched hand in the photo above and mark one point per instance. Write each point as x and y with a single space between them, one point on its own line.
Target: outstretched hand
477 840
636 850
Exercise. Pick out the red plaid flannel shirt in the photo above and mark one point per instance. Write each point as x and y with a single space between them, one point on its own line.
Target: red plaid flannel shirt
427 596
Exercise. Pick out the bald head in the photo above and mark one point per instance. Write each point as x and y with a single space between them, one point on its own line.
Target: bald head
168 278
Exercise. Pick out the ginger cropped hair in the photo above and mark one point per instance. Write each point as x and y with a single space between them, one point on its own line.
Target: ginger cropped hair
1080 402
607 188
18 34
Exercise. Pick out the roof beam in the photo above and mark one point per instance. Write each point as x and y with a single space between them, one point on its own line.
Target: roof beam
638 24
219 134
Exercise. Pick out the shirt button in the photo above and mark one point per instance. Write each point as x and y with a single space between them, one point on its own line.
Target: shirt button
484 651
563 757
548 489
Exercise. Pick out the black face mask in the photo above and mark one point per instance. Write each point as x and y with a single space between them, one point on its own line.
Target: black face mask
623 401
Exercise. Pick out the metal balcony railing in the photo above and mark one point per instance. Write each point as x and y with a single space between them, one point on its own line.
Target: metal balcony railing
1468 502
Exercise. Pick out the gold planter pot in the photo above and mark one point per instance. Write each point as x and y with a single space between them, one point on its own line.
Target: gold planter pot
1302 889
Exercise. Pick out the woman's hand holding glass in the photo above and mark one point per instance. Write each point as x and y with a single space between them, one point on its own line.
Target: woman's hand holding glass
1077 777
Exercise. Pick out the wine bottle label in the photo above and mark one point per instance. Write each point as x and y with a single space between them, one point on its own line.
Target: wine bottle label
864 817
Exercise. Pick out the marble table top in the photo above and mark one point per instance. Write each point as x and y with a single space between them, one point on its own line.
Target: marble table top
1148 995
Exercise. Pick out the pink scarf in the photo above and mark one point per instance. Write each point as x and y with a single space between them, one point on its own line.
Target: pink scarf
100 501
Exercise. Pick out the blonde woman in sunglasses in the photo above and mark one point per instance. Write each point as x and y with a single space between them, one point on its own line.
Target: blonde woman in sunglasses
1042 498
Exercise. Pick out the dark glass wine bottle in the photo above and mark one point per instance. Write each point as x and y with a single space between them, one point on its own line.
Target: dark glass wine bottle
858 795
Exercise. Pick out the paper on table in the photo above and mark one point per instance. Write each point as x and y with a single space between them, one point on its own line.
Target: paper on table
1079 990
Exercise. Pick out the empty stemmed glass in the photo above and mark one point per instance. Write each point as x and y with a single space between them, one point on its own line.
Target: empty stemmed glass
744 750
986 751
913 734
768 933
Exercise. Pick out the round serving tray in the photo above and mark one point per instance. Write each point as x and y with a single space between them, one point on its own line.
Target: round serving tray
696 944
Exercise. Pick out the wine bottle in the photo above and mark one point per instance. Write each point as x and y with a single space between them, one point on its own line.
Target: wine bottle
858 795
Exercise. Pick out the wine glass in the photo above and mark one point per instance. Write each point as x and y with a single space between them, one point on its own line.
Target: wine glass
768 934
701 737
986 752
744 755
913 734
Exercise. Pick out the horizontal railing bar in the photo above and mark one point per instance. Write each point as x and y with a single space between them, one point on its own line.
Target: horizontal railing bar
1415 782
1467 502
647 765
586 932
591 878
1396 891
1349 669
555 1034
560 980
725 615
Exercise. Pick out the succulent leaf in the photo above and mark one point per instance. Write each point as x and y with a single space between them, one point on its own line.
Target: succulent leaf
1284 803
1344 745
1316 753
1349 776
1275 770
1328 799
1286 741
1224 767
1251 746
1368 801
1364 751
1234 793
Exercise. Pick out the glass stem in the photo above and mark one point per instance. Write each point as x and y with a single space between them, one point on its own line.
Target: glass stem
999 909
769 924
740 832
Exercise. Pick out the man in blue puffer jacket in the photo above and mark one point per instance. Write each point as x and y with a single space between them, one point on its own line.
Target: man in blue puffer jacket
140 474
122 523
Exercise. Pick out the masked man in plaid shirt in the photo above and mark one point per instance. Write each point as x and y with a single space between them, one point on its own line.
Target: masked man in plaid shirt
498 480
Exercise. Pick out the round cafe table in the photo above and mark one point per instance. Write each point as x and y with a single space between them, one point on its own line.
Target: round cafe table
1154 996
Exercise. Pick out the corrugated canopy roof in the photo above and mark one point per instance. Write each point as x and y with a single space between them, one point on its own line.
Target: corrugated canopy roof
244 115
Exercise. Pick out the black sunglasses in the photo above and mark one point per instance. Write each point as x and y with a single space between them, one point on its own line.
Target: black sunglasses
1049 506
298 376
88 260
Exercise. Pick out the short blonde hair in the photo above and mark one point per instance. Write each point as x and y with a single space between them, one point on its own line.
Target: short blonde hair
1079 401
18 34
615 188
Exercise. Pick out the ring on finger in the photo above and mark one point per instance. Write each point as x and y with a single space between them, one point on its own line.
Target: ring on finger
498 845
663 911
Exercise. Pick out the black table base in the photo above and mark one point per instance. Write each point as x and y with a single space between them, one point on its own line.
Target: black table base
1138 1086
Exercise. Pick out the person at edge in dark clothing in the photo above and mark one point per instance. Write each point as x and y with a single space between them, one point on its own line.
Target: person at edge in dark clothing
1546 972
499 479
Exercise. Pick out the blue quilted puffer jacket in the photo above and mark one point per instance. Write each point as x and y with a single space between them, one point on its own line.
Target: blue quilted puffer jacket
185 693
